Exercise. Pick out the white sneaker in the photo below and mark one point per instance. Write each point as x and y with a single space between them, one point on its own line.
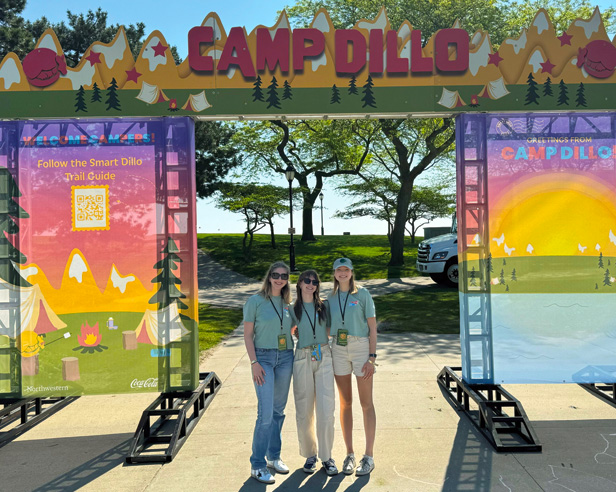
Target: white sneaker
278 465
262 475
366 465
348 467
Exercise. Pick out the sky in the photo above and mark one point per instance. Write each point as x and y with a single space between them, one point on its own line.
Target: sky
175 23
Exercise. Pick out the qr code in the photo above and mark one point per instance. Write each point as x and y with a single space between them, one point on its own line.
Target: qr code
90 207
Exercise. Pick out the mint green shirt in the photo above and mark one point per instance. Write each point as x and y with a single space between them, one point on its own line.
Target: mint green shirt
305 323
259 310
357 309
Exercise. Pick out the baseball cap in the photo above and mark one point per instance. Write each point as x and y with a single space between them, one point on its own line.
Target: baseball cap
343 262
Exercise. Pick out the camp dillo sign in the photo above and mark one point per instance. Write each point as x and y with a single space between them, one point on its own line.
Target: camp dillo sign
319 71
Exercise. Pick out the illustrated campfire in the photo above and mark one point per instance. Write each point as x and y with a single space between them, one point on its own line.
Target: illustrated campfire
90 340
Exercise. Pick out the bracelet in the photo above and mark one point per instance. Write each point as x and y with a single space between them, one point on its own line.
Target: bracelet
253 362
372 362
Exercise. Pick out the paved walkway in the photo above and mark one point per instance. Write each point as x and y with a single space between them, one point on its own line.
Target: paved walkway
422 443
219 286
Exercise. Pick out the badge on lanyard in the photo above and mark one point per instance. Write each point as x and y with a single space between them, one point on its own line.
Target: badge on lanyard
316 353
342 336
282 342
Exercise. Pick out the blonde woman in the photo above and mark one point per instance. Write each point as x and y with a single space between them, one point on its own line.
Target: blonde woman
267 335
313 376
353 329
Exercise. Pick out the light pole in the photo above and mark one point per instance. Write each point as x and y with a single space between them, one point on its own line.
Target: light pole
321 198
290 174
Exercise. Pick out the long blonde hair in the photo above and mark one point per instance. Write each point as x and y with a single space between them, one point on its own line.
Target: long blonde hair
266 287
352 285
319 305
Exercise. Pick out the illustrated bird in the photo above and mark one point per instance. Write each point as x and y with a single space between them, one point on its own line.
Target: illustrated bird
582 248
530 249
499 240
509 250
612 237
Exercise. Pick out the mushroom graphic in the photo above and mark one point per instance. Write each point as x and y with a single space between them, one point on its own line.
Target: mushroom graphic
43 67
598 59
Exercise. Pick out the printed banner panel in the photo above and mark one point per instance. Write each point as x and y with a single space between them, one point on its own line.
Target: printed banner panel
94 257
544 265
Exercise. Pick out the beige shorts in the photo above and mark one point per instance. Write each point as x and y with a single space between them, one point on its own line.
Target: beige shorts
352 357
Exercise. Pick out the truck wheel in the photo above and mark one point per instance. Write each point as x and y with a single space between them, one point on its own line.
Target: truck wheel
439 278
451 273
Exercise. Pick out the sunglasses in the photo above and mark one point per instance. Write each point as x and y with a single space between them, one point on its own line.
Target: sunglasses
309 281
276 276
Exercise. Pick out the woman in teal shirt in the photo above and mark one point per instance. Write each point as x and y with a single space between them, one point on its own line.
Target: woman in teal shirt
267 335
313 376
353 329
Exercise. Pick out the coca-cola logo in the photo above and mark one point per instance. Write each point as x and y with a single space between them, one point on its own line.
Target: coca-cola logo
144 383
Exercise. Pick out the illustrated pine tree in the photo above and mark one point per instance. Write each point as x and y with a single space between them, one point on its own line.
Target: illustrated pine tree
257 93
272 94
96 94
514 277
113 101
609 263
547 87
606 278
596 286
507 289
287 92
601 260
580 98
335 99
563 98
353 86
80 100
368 98
501 279
489 263
532 94
472 277
168 292
10 215
504 262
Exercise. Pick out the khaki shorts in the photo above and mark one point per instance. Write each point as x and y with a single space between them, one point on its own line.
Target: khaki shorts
352 357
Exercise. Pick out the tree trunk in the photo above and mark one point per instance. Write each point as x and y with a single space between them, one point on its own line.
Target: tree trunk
307 229
397 234
273 238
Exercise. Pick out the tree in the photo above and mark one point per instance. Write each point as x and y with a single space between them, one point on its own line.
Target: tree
335 99
606 279
504 262
514 277
600 260
168 292
563 99
353 86
113 101
257 93
259 204
9 226
317 150
489 265
472 276
428 203
272 94
14 32
532 94
96 93
580 99
215 155
80 100
368 98
287 92
547 87
502 277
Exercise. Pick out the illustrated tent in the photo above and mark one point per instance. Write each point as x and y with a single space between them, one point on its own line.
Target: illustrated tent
161 327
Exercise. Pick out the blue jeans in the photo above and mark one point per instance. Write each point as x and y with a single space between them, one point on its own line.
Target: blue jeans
272 399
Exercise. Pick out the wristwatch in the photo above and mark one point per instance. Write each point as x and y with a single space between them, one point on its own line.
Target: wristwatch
253 362
372 355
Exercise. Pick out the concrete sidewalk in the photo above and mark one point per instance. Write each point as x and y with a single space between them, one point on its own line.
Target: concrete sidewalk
422 443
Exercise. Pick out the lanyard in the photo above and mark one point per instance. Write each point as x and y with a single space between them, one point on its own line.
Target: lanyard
312 325
277 314
345 305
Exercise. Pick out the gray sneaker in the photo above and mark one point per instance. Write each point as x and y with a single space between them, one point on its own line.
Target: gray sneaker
262 475
311 464
366 465
330 467
278 465
348 467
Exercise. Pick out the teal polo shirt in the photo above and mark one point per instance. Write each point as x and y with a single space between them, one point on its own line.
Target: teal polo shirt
357 308
266 319
305 324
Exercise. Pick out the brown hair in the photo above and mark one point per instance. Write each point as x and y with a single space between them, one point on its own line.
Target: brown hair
266 287
319 305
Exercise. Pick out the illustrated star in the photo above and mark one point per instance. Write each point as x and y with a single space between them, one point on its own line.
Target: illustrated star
547 66
565 39
494 58
132 75
159 49
93 57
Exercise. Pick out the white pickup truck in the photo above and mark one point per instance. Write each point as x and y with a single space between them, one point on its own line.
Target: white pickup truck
438 257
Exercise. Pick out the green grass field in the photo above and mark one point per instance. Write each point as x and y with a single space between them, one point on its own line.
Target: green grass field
215 324
370 254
